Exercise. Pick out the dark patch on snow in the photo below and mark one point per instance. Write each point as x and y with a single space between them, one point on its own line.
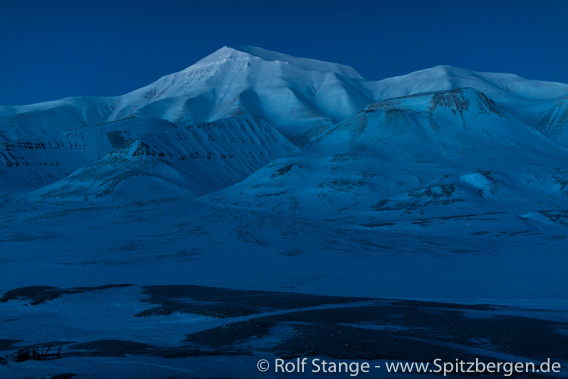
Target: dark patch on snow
228 335
116 139
225 303
114 348
185 352
344 328
143 150
346 342
64 376
104 287
41 294
481 233
7 344
466 217
254 299
558 216
36 294
120 348
169 306
284 170
271 194
393 330
453 100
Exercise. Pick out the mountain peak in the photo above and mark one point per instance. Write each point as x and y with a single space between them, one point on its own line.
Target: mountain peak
252 52
218 56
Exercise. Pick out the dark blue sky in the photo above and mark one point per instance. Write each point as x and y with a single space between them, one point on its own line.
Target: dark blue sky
54 49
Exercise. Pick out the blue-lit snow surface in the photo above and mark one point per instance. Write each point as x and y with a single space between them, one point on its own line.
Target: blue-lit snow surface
254 170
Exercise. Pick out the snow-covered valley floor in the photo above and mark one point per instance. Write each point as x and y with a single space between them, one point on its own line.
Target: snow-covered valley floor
120 288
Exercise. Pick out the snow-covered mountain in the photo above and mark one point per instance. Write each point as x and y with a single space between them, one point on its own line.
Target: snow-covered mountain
295 94
34 162
187 161
301 100
255 170
434 154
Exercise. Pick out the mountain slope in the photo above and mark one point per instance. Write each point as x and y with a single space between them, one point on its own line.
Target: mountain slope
187 161
499 86
291 93
548 116
531 101
303 99
434 154
33 162
17 122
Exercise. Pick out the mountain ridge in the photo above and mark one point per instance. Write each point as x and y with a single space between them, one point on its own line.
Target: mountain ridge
443 72
304 100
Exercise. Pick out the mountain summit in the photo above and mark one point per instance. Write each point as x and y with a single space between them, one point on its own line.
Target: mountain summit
275 86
